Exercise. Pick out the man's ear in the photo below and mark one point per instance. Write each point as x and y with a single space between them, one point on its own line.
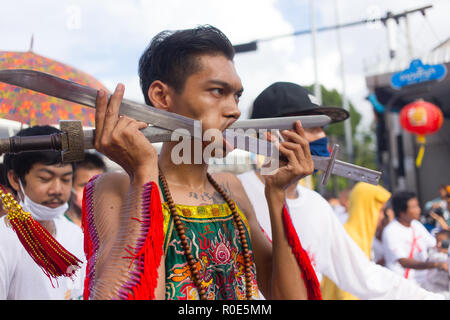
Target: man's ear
13 181
159 95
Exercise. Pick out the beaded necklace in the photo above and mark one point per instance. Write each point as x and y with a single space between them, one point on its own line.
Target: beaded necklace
181 231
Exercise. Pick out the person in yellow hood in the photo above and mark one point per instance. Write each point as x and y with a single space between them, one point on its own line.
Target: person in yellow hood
365 203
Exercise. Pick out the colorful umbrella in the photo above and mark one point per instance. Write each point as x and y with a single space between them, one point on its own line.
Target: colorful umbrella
34 108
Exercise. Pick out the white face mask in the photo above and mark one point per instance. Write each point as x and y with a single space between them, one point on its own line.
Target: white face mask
40 212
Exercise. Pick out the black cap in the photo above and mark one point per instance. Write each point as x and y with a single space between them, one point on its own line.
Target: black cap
283 99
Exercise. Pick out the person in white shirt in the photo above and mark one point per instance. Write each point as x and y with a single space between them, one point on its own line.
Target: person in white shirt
406 241
42 185
438 280
331 250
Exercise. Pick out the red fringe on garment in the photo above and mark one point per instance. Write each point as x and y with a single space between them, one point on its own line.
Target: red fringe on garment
145 257
308 273
49 254
90 235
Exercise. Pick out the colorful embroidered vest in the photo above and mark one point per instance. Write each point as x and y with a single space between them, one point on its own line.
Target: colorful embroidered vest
216 247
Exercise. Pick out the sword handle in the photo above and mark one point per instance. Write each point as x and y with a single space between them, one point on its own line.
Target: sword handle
31 143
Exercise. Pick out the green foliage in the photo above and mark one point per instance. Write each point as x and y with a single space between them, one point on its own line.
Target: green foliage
332 98
363 140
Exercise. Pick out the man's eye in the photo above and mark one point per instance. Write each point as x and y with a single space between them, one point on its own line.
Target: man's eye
43 179
217 91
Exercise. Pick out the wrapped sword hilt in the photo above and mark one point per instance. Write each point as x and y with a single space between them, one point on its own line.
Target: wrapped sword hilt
70 142
18 144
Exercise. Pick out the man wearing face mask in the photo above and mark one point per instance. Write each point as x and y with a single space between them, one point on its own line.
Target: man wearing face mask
331 250
90 166
42 185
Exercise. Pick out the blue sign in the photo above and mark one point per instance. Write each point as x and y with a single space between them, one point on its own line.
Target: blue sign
417 73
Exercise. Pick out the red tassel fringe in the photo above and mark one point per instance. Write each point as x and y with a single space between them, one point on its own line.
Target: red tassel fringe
90 235
145 259
148 256
49 254
308 273
53 259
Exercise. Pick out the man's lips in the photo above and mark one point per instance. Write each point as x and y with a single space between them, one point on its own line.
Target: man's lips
53 204
227 146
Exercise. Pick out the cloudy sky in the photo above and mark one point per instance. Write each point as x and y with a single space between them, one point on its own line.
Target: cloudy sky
106 37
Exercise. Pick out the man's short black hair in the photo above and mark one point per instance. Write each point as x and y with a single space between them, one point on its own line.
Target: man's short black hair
400 200
172 55
21 163
91 161
3 176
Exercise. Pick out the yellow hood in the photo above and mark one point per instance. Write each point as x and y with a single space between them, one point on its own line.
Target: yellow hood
365 203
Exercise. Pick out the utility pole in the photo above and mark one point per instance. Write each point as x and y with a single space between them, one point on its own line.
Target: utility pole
395 133
317 91
408 38
390 29
345 103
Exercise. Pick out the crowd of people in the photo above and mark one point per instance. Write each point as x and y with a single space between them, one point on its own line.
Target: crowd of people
52 192
159 230
406 239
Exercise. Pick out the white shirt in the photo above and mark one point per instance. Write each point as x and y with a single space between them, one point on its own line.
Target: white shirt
22 279
377 250
341 213
411 242
437 280
331 250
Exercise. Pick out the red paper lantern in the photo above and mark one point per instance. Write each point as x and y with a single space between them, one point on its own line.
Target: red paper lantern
421 117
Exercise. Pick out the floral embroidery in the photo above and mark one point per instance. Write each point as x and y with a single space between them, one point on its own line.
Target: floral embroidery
214 242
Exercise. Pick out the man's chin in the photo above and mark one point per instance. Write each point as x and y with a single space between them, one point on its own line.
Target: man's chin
221 153
217 148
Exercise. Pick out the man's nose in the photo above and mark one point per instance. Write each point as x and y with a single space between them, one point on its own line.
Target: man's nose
56 187
232 110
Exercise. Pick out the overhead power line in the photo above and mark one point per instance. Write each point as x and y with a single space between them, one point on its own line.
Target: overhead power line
253 45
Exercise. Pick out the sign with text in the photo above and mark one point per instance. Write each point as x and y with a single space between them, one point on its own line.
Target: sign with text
417 73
